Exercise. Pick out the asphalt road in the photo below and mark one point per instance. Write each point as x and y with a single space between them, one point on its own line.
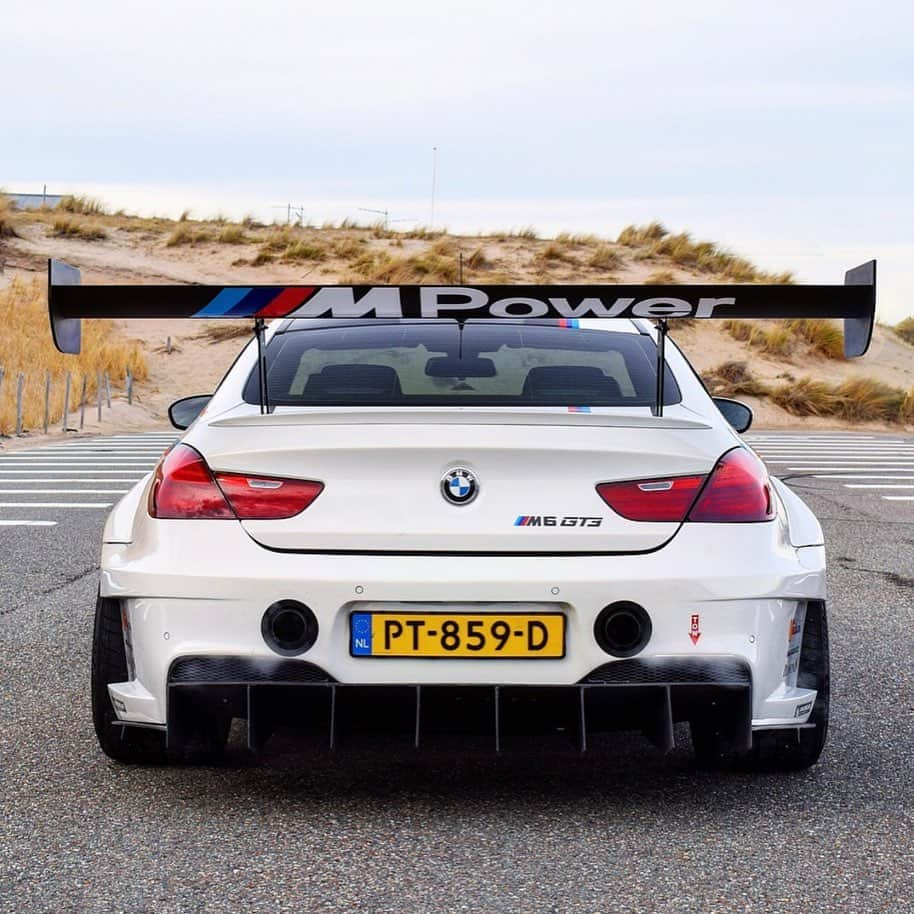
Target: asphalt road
629 832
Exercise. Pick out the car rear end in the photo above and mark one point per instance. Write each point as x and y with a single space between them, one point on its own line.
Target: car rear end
450 530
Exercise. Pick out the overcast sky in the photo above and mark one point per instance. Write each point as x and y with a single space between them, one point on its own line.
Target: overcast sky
785 130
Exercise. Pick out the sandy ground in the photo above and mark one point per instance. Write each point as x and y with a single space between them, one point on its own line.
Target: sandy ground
196 364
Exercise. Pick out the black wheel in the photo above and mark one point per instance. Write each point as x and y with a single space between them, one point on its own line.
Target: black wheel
132 745
790 749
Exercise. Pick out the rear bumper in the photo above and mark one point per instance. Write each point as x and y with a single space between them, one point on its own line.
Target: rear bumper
200 590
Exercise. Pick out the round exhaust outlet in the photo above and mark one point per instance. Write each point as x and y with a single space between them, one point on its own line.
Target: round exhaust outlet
289 628
623 629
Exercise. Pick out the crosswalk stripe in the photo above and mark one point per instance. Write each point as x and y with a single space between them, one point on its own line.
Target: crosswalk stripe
55 504
48 482
80 475
76 463
851 464
84 470
70 491
147 455
28 523
838 467
865 464
865 439
853 485
127 474
859 476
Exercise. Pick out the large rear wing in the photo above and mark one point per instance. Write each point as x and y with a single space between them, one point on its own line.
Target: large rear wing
854 302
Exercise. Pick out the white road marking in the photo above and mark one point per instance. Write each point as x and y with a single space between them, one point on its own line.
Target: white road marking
64 459
28 523
875 464
813 469
859 476
874 486
87 474
835 450
837 458
21 464
825 439
867 464
84 455
74 491
92 481
55 504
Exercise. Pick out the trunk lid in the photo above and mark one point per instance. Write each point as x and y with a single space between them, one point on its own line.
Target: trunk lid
536 474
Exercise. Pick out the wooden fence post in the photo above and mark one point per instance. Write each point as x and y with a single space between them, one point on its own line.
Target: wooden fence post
129 387
66 402
47 399
98 388
19 403
82 405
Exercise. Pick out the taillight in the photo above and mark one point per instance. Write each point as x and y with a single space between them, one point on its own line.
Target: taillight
738 492
267 498
660 500
184 487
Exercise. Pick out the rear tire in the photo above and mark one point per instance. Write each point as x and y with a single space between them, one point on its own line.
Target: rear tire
131 745
139 745
790 749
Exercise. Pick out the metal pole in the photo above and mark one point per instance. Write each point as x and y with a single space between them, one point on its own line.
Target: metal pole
108 389
47 399
66 403
19 403
82 405
460 267
98 389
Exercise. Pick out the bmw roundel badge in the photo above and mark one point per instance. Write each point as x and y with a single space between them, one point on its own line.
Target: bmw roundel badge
459 486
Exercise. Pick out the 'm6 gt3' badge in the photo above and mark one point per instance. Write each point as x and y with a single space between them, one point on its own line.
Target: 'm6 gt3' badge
459 486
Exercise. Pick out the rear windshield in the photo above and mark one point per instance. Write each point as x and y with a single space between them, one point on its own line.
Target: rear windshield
441 363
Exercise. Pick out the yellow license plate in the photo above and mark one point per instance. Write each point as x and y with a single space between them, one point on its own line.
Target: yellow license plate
445 634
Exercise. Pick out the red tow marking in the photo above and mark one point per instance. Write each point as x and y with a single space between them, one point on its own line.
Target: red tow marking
695 629
286 302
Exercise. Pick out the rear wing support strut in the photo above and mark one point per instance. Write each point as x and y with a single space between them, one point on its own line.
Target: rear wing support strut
662 328
261 335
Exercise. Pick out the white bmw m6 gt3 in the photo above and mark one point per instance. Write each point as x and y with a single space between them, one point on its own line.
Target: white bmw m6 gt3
462 516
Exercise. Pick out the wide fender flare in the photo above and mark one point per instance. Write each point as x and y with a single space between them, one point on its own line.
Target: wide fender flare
803 527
